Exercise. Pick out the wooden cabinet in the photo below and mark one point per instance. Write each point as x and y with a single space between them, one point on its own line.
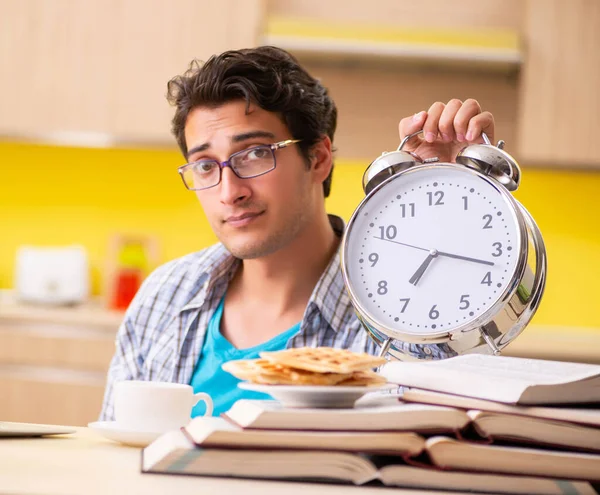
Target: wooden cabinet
381 64
96 71
462 14
53 362
559 112
549 115
372 100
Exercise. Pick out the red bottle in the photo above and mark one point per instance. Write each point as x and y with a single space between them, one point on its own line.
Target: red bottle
129 276
128 281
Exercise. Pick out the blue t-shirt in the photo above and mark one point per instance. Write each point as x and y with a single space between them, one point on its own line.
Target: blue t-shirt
208 376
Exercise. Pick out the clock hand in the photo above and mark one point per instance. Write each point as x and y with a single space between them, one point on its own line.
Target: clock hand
401 243
421 270
440 253
466 258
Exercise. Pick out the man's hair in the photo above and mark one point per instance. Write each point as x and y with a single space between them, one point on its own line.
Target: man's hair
266 76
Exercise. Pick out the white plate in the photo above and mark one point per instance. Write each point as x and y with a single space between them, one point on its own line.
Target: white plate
133 438
311 396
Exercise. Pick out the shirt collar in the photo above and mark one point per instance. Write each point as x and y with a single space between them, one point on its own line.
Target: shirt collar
219 266
329 296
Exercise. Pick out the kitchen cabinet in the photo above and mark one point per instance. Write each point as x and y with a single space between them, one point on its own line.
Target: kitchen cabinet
559 111
53 361
95 72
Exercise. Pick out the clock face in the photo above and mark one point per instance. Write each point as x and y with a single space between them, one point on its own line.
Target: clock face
431 250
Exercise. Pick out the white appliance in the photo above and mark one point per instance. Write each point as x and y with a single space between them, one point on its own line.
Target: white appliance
54 275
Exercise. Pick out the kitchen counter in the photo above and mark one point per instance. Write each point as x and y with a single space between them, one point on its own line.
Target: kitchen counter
579 344
92 314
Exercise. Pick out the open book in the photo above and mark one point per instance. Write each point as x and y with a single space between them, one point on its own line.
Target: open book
494 467
579 415
521 429
254 419
503 379
377 416
211 432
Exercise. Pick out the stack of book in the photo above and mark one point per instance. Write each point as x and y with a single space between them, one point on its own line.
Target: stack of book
470 423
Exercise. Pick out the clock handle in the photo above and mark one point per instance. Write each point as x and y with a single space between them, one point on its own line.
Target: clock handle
425 160
486 140
406 138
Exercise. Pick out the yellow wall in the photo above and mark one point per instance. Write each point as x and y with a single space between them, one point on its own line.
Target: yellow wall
58 196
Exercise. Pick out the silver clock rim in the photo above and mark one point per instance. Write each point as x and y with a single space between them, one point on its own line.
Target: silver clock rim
485 317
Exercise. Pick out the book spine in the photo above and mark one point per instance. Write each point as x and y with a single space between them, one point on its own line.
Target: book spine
472 434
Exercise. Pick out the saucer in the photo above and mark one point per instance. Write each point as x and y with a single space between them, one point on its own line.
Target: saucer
125 436
312 396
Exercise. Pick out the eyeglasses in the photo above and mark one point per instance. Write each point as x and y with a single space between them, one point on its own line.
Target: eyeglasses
245 164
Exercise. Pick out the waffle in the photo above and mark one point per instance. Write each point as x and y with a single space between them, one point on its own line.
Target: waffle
363 378
335 368
324 359
267 372
244 369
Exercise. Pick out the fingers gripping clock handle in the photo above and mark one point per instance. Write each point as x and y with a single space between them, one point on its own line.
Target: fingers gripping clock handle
486 140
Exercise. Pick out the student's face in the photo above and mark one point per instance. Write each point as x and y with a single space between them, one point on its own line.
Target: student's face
258 216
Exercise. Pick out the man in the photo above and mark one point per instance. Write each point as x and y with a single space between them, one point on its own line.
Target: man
257 131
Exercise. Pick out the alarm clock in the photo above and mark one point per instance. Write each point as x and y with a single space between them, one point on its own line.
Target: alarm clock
442 253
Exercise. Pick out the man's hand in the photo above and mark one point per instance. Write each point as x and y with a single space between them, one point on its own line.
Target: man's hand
447 129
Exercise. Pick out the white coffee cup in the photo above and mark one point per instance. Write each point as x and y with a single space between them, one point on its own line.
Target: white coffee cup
156 406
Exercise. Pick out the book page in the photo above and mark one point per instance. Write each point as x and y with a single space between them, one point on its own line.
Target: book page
265 464
415 477
210 434
540 431
400 416
580 415
498 378
532 371
452 454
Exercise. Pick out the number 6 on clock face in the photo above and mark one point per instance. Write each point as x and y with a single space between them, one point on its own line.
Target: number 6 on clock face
434 252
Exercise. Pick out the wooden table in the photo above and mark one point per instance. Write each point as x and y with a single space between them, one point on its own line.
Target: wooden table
85 463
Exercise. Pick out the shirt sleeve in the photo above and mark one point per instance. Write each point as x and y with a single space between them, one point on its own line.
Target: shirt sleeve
125 365
129 358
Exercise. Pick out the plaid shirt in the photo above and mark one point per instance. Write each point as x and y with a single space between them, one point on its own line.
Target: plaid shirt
163 331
